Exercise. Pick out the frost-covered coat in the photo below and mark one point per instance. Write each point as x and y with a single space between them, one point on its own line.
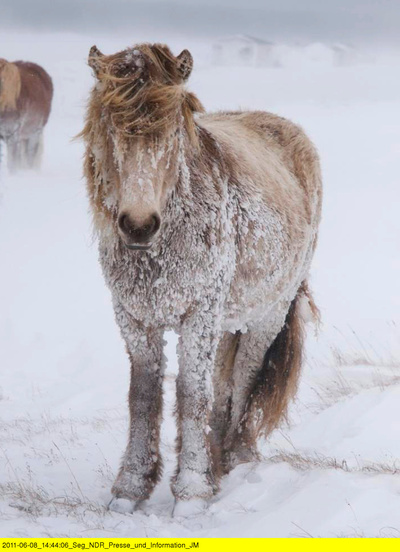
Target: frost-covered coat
238 196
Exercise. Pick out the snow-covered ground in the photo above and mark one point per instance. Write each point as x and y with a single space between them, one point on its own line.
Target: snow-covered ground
64 372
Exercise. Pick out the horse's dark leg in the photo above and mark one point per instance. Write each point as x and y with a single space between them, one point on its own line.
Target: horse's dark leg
13 154
240 444
196 476
33 151
141 464
222 381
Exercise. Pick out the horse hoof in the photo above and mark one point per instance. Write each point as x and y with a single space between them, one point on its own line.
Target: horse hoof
192 507
239 456
122 505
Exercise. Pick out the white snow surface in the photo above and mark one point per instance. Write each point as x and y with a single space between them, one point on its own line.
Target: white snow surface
334 471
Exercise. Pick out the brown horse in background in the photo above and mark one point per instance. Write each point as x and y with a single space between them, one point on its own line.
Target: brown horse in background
26 91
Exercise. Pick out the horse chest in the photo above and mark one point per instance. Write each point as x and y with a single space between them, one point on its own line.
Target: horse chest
162 291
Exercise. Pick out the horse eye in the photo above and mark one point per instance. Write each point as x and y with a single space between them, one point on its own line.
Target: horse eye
122 70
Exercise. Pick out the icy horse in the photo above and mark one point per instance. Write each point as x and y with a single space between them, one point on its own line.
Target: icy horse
26 92
207 224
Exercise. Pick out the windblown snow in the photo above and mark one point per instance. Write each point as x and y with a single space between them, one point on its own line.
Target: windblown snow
334 470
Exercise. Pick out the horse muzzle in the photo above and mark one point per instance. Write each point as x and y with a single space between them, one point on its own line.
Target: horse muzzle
138 236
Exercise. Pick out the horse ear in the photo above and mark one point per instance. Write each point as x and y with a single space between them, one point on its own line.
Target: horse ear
185 64
94 59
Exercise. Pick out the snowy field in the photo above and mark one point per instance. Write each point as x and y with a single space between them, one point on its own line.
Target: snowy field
64 373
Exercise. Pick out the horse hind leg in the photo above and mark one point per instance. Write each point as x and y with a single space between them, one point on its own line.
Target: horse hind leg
33 151
265 378
239 444
222 384
238 360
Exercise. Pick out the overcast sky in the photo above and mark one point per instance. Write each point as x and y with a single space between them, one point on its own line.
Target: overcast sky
330 20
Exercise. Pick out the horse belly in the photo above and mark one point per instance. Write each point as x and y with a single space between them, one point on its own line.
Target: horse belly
32 122
265 277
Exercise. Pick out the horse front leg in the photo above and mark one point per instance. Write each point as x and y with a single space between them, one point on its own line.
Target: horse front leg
196 477
141 464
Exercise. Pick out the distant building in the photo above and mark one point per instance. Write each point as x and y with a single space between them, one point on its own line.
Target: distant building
242 50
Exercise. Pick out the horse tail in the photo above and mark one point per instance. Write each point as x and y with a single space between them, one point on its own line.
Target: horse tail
10 85
277 381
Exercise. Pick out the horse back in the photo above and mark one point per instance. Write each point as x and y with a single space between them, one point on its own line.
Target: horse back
270 153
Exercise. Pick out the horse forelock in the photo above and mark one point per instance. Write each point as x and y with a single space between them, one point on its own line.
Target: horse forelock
142 88
10 85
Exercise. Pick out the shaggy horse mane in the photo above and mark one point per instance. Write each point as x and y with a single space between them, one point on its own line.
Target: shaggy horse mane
143 89
10 85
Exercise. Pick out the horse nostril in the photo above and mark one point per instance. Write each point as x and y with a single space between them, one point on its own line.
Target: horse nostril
156 223
152 226
124 223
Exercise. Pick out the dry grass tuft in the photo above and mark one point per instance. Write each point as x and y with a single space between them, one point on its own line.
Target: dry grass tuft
302 462
35 501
